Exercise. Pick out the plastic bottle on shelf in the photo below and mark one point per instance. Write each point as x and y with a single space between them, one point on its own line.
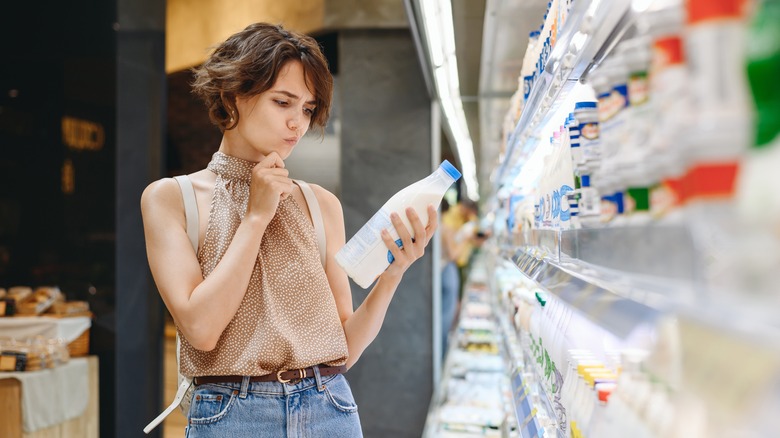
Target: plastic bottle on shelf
365 256
553 179
717 138
573 140
586 125
632 161
587 117
562 179
757 201
599 178
577 359
549 321
597 418
528 67
669 91
616 130
583 399
560 341
573 135
545 199
719 134
715 47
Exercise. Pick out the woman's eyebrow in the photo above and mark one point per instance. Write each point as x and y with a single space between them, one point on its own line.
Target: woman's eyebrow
293 96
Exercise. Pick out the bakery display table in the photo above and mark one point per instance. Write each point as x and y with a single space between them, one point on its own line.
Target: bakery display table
57 402
21 327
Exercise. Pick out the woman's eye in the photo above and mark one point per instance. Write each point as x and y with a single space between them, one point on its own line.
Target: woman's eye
308 111
281 102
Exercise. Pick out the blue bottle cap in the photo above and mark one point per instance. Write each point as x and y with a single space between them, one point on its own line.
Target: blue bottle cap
450 169
580 105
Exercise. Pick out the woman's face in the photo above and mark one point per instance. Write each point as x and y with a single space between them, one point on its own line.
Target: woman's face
275 120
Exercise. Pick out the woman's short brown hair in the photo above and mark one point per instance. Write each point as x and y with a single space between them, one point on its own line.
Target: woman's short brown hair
248 63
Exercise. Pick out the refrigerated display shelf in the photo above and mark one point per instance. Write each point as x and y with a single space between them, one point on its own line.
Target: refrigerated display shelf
528 395
590 32
621 286
474 366
705 344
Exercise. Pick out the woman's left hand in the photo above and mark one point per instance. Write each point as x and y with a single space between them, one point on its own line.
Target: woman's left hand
411 249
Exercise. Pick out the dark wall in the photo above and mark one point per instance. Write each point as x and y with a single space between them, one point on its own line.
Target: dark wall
385 146
58 64
76 148
57 201
140 102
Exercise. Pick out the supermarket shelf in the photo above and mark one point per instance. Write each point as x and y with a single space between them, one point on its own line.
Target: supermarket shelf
619 286
590 32
657 259
664 251
470 369
605 308
525 390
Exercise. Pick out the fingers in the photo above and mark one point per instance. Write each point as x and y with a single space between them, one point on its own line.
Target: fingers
270 175
394 249
400 228
419 230
272 171
271 160
287 187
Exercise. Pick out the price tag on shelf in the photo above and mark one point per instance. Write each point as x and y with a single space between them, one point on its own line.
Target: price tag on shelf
520 398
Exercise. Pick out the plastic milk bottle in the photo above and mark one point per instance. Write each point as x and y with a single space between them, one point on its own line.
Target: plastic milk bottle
365 256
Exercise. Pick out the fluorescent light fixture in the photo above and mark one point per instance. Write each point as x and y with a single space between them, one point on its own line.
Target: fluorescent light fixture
433 33
440 39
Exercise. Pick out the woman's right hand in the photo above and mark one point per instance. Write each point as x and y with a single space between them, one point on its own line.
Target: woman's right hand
269 185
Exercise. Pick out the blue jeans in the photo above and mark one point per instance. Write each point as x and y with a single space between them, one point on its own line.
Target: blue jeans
450 289
315 407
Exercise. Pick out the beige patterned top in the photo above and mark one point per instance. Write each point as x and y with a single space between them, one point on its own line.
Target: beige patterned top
288 318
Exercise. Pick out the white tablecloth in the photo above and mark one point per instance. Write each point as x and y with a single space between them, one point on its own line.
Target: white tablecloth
68 329
52 396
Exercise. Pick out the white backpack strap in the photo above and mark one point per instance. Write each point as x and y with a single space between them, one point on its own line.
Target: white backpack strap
180 393
190 209
316 216
191 216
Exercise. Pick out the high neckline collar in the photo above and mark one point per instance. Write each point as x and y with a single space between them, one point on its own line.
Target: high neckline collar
230 167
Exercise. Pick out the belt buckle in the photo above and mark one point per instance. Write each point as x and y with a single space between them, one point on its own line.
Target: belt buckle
301 375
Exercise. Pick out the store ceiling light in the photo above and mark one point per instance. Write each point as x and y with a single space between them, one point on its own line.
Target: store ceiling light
440 44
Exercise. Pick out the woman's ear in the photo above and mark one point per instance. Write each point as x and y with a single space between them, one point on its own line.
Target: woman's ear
229 103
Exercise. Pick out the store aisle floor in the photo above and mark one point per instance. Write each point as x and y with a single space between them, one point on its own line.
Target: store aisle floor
173 426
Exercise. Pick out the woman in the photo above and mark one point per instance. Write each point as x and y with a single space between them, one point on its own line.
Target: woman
459 238
266 330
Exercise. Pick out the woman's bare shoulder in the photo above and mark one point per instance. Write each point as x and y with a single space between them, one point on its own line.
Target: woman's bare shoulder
166 190
329 201
163 191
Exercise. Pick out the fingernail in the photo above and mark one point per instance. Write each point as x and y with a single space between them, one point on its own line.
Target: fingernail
394 215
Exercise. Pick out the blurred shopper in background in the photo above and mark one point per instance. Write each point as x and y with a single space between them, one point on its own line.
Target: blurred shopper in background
460 236
266 331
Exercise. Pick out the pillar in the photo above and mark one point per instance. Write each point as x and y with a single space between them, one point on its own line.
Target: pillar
386 145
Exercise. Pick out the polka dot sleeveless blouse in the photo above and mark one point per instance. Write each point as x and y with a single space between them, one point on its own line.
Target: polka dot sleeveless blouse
288 317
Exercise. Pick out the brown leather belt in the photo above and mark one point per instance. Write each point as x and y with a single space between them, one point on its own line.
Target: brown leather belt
280 376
